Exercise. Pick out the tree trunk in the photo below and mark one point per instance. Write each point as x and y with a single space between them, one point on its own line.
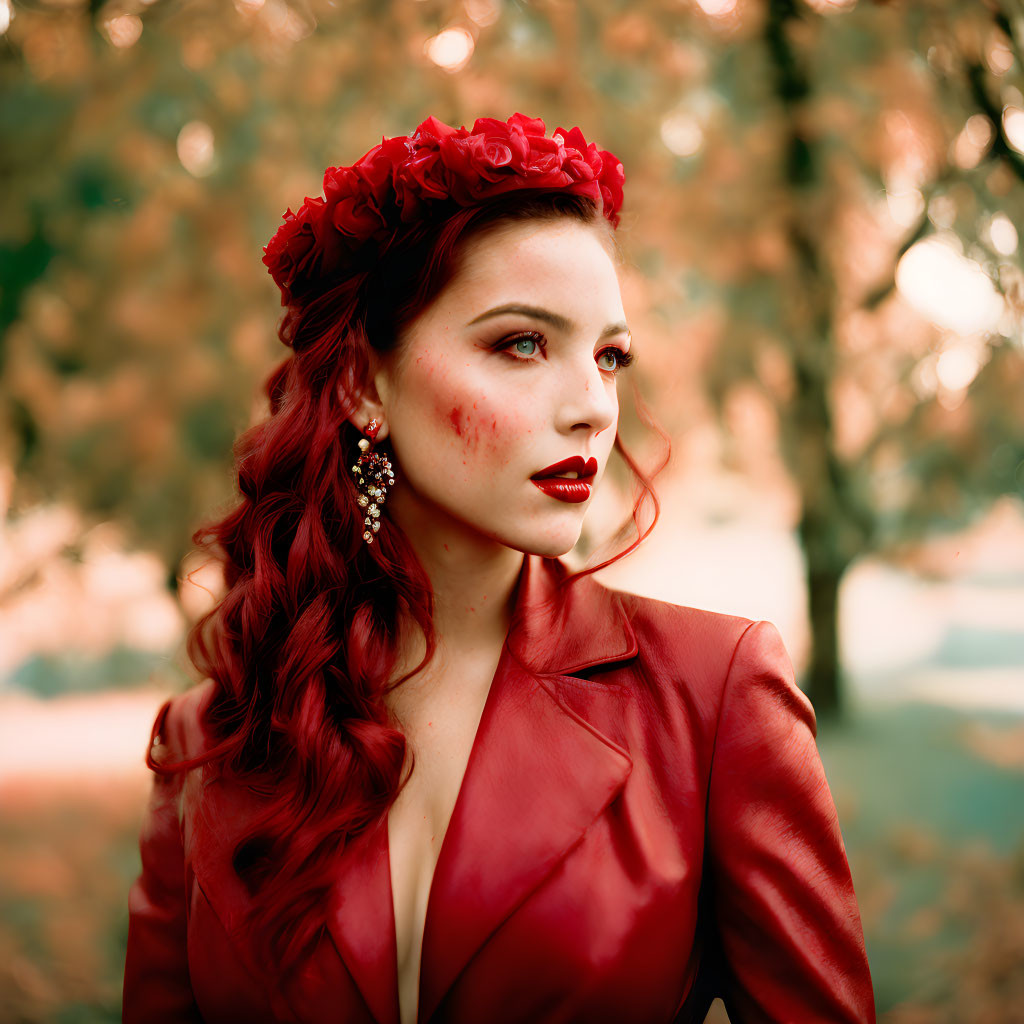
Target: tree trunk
826 531
824 672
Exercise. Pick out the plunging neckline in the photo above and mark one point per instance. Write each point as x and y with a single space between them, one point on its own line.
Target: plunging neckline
518 810
486 711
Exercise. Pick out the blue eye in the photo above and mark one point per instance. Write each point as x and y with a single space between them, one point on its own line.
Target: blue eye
526 338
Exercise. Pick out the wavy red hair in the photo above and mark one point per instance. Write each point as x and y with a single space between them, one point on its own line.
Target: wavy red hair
302 646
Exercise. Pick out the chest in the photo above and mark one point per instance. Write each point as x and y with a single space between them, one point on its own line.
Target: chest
440 728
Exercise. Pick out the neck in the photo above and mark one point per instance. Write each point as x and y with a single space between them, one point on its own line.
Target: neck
473 588
473 600
472 576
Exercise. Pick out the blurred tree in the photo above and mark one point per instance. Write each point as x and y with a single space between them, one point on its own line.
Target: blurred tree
785 163
890 429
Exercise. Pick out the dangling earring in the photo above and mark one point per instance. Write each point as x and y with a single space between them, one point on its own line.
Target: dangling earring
373 475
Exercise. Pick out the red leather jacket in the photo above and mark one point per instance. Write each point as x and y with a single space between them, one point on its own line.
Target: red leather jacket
644 824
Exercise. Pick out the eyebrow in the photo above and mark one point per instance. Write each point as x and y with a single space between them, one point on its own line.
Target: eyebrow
555 319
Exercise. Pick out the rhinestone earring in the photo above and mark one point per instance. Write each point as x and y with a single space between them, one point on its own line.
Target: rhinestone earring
373 475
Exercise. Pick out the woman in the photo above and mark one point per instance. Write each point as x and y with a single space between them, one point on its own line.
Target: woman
430 775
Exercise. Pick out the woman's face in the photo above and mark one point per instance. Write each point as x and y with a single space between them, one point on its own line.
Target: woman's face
477 400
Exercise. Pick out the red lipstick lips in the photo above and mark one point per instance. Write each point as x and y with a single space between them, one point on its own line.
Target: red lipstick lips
565 488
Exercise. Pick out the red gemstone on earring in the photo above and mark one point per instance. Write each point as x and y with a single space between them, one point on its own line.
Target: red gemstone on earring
371 429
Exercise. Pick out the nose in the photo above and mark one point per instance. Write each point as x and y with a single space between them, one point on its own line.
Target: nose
587 401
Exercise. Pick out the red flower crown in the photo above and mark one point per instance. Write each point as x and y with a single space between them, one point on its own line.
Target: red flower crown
403 178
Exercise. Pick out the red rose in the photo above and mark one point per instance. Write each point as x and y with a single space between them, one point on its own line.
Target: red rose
583 159
431 132
547 156
480 160
612 178
379 164
295 252
600 164
420 176
572 138
355 202
527 125
497 137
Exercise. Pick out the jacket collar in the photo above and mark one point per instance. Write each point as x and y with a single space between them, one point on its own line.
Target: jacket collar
545 763
558 629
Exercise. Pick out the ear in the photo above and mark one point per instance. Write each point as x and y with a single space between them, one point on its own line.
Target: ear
368 403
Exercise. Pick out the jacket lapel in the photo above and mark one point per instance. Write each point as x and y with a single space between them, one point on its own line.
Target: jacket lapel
538 775
361 921
537 778
360 914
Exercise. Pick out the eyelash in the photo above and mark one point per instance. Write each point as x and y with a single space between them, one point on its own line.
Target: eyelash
624 358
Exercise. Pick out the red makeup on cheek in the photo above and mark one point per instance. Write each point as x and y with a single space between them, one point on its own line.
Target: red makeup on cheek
453 418
464 426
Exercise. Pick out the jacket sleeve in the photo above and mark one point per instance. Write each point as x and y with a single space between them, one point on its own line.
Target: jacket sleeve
156 975
784 906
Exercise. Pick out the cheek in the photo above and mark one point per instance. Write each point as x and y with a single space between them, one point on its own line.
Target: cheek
480 426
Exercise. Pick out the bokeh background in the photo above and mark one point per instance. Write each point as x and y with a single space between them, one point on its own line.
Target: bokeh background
823 278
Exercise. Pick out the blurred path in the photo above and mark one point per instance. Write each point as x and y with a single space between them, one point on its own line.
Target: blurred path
76 739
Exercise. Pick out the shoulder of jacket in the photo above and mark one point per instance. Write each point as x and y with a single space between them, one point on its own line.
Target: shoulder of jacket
683 624
692 652
178 731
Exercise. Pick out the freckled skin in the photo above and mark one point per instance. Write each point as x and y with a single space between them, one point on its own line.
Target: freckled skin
469 424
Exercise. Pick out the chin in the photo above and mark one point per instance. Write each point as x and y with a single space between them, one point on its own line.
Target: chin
550 547
550 539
